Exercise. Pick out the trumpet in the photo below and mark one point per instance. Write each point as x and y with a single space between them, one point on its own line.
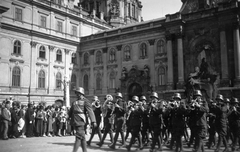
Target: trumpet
96 104
193 103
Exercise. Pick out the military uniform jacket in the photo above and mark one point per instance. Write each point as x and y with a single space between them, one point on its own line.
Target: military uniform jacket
78 112
155 115
234 118
199 115
221 116
136 117
178 117
121 110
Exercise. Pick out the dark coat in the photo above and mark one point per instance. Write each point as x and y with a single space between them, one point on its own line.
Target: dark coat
78 112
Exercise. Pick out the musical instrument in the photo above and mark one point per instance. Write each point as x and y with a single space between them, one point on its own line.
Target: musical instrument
96 104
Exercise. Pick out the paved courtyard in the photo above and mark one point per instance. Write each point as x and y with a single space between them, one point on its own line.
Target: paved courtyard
62 144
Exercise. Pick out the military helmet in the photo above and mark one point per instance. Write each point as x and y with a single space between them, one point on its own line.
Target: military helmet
143 98
154 94
95 98
234 101
219 97
119 94
80 90
227 100
177 96
197 93
135 98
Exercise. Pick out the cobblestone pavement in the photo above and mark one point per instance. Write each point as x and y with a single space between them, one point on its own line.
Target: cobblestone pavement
63 144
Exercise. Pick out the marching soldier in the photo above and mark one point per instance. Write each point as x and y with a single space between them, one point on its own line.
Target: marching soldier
136 122
221 111
145 120
77 114
234 122
178 112
199 111
119 111
97 112
211 123
155 120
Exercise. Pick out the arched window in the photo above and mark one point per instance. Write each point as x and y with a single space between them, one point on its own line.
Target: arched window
143 50
85 82
73 81
98 57
98 82
41 79
16 77
42 52
59 55
127 55
86 59
112 55
17 47
112 80
160 47
74 58
59 81
161 76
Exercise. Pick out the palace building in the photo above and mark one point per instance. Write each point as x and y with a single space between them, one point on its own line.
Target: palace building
49 47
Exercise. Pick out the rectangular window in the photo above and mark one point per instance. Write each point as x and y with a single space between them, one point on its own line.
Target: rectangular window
74 30
59 26
18 14
129 9
133 11
43 21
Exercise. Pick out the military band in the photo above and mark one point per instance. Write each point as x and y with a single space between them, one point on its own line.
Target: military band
154 121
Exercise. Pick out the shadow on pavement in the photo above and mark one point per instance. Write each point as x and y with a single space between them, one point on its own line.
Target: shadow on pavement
64 144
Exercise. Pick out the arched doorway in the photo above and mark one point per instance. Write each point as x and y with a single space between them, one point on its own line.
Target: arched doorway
134 89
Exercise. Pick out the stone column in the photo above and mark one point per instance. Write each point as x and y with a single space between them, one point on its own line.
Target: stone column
119 63
151 62
170 62
236 54
180 60
105 91
67 78
224 57
91 81
79 75
51 76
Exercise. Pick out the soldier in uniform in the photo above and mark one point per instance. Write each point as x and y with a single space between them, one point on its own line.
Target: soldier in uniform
234 122
119 111
136 122
97 112
155 120
145 120
78 119
221 111
199 111
178 112
211 123
107 111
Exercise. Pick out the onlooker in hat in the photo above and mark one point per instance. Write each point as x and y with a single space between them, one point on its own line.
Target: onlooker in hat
6 119
39 121
30 117
221 111
49 121
78 118
15 116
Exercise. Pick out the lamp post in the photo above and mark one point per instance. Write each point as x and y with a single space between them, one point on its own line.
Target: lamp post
66 83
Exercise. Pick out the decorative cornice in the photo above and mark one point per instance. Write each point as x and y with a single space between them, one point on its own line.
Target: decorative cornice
39 64
67 51
119 47
91 52
51 48
105 50
98 68
112 66
16 60
151 42
33 44
58 66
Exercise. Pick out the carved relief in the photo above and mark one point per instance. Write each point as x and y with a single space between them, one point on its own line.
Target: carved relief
114 8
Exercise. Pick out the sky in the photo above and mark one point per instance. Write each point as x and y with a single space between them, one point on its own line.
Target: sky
153 9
